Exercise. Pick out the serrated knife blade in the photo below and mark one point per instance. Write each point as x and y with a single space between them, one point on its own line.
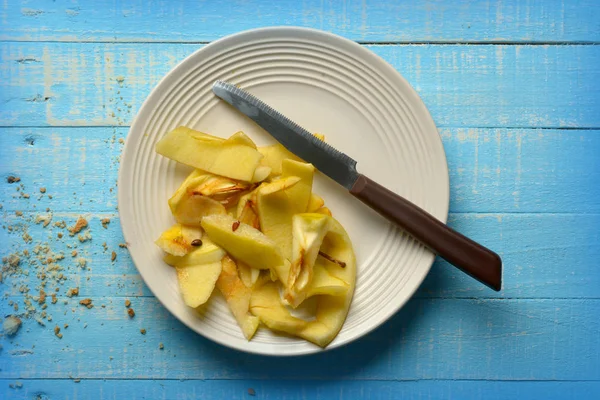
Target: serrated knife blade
330 161
467 255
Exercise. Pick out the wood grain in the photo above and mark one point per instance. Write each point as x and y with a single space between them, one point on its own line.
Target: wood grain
91 84
428 339
491 170
370 20
513 87
295 390
535 265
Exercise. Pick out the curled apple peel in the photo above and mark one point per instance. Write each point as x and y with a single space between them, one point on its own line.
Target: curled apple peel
249 224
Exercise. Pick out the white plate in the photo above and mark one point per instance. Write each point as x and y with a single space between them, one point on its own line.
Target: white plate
328 85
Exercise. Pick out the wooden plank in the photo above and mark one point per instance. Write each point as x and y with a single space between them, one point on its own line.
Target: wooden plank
424 21
78 168
491 170
90 268
428 339
296 390
545 256
522 170
64 84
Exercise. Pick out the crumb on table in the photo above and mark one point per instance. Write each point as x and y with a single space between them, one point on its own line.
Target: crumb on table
11 325
57 332
86 302
79 225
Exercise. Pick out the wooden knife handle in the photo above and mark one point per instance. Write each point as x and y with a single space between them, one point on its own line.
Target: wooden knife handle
465 254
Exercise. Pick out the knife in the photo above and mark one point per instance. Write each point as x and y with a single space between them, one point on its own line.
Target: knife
470 257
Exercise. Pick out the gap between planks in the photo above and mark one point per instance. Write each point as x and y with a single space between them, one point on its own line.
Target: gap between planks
115 214
440 126
361 42
296 380
415 296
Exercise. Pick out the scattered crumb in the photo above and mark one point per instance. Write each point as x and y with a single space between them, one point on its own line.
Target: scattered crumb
26 195
13 179
131 313
18 384
50 196
105 246
46 219
42 298
123 245
82 262
127 303
251 392
60 235
121 141
19 213
57 332
54 299
85 237
11 325
105 222
113 256
79 225
42 190
74 253
27 238
143 331
12 260
60 224
161 346
73 292
66 326
86 302
77 380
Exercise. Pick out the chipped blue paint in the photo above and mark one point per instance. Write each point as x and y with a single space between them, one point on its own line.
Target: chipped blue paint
519 122
463 85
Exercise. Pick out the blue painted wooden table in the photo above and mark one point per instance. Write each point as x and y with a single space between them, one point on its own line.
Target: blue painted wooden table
514 89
